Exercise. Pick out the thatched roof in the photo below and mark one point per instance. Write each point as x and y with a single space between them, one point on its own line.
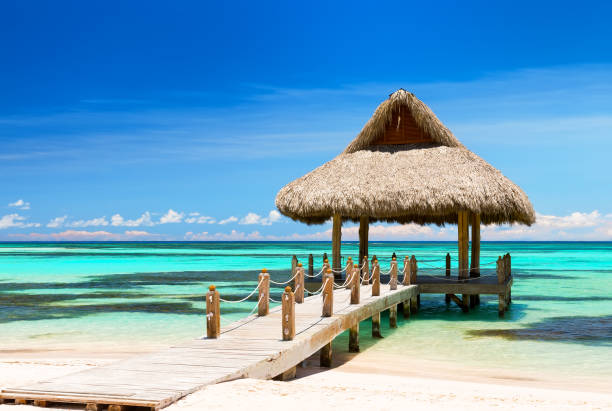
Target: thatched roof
405 166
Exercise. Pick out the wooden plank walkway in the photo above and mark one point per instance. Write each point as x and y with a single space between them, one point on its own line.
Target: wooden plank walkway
248 348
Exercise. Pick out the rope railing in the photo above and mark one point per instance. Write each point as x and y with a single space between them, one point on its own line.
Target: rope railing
243 299
354 281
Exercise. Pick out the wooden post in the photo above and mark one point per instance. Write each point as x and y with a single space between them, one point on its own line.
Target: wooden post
326 266
509 275
354 338
406 309
294 262
213 313
406 279
500 270
413 270
393 275
288 314
349 272
463 241
393 316
325 355
328 294
414 306
375 278
364 228
355 286
299 284
116 407
475 258
42 403
310 265
447 297
366 271
264 293
501 309
376 326
336 242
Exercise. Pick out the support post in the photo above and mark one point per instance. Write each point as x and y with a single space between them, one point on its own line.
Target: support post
328 294
393 275
475 257
406 309
325 355
355 286
336 242
213 313
375 278
40 403
376 326
264 293
447 297
414 307
354 338
393 316
299 284
288 314
501 309
310 265
406 279
365 273
349 272
463 242
364 228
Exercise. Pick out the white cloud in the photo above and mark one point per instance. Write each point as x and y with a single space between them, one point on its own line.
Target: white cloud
199 219
252 218
231 236
228 220
94 222
573 220
87 235
15 221
171 217
144 220
57 222
23 205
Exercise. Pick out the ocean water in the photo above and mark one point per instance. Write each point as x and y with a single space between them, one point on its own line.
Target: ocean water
107 295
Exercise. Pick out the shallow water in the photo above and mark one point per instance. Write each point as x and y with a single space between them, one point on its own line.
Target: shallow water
63 295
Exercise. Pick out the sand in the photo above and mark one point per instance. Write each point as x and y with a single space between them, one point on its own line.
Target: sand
369 380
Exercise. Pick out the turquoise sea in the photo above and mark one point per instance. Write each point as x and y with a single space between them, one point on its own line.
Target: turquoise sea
105 295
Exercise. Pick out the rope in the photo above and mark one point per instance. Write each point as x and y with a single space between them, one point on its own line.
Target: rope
245 298
315 275
285 282
246 320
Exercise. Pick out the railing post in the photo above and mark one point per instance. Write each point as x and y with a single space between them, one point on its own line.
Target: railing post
325 267
213 313
406 279
393 274
447 297
288 314
310 265
264 293
365 280
413 270
294 262
509 275
328 294
355 286
500 270
299 284
375 278
349 272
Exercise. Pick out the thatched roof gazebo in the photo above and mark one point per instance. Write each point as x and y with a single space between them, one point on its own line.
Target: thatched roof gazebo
406 166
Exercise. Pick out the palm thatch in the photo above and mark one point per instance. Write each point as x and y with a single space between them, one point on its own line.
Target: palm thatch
424 182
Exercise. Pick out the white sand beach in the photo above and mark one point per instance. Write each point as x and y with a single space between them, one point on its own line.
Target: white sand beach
369 380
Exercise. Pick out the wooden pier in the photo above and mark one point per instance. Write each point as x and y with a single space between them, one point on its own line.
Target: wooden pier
269 344
252 348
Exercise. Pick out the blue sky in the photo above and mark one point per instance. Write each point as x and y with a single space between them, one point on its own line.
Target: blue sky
146 120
